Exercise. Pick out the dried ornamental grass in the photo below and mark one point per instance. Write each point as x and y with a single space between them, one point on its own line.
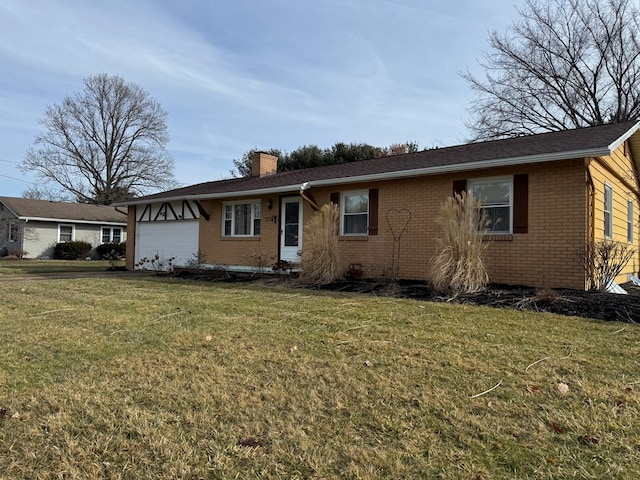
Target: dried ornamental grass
459 266
319 259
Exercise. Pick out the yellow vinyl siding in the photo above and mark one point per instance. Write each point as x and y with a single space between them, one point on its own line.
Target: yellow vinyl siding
616 170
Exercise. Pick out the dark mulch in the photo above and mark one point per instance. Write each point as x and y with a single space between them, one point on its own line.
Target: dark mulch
602 306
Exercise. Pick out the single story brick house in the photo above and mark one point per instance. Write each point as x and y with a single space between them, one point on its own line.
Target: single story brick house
548 195
31 228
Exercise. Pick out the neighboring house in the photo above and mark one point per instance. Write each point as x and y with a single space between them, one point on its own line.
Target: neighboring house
31 228
548 195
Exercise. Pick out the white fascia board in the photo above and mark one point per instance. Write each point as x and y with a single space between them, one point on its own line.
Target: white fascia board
416 172
624 137
70 220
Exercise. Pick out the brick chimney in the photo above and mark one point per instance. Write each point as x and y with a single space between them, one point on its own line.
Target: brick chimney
263 164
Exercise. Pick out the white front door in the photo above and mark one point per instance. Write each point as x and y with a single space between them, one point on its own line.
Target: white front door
291 229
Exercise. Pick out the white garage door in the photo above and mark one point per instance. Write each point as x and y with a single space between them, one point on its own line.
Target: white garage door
167 239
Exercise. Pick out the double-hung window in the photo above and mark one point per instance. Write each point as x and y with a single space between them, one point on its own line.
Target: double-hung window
12 232
608 211
496 198
355 213
630 221
241 219
111 235
65 233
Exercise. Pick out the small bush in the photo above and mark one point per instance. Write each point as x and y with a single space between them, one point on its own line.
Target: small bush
71 250
112 251
603 261
459 265
319 260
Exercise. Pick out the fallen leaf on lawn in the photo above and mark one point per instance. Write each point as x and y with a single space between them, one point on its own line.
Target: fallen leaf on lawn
293 349
367 363
534 389
589 440
208 338
563 388
250 442
558 428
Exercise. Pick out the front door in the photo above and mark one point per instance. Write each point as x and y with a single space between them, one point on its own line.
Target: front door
291 229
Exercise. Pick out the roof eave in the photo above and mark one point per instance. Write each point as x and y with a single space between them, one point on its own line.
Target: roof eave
460 167
71 220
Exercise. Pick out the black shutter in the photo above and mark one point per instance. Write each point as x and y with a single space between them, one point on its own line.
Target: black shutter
459 186
335 198
373 211
521 203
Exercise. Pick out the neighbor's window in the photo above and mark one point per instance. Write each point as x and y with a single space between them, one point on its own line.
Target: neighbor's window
608 208
496 197
355 213
111 235
241 219
65 233
630 221
13 232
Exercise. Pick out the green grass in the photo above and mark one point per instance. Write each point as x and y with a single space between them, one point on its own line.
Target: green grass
156 378
21 267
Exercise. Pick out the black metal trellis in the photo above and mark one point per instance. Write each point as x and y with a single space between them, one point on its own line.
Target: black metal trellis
397 220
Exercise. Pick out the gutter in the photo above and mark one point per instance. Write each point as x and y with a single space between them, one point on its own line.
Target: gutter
70 220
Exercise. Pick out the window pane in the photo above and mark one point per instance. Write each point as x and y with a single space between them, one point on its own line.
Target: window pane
355 224
291 235
256 227
494 193
630 221
242 214
356 203
66 233
499 219
117 235
106 235
608 203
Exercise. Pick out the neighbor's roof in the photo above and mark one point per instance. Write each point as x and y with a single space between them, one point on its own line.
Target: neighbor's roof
28 209
554 146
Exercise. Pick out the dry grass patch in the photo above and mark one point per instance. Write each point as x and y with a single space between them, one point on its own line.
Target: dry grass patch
185 380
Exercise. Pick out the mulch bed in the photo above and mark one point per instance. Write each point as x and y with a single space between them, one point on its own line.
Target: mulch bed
602 306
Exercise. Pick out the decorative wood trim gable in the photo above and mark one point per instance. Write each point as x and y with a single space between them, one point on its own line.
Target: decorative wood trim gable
168 211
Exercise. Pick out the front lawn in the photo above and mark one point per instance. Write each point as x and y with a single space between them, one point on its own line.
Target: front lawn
161 378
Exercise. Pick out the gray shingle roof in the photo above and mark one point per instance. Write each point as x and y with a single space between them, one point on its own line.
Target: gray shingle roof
79 212
566 144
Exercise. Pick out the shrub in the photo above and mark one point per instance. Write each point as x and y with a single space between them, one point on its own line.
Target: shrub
459 265
603 261
71 250
112 251
319 260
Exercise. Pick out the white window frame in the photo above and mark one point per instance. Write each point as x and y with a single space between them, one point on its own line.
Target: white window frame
12 232
489 180
608 210
73 232
256 218
630 222
344 214
111 234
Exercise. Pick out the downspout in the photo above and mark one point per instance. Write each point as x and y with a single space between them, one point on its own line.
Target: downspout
308 196
591 207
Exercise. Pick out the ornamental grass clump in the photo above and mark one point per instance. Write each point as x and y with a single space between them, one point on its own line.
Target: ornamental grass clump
319 259
459 265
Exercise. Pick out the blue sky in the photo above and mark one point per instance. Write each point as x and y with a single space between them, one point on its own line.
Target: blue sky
242 74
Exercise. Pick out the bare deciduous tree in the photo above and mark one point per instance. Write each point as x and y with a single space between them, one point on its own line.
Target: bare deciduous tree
104 144
564 64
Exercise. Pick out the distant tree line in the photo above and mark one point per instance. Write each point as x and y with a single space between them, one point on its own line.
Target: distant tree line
309 156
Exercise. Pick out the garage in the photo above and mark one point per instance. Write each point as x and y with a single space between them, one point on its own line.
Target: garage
167 239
